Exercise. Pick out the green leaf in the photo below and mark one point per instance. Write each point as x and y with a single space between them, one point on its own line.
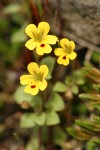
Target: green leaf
37 103
12 8
93 74
52 118
80 81
34 143
90 145
96 119
88 125
79 134
27 120
20 96
74 133
96 87
91 97
78 77
96 140
75 89
39 119
60 87
4 25
55 103
95 104
59 136
19 36
50 62
19 20
96 56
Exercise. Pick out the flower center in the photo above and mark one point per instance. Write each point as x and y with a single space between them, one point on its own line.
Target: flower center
39 35
64 57
42 45
33 86
68 48
38 76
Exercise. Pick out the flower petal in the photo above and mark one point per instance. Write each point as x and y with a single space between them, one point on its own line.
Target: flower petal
33 68
43 28
59 51
63 60
63 42
50 39
42 85
72 55
72 45
32 89
43 48
44 70
30 44
26 79
31 30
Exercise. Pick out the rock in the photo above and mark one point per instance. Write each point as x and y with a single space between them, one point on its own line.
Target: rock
80 18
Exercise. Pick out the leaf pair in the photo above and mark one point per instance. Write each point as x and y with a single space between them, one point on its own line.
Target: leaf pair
29 120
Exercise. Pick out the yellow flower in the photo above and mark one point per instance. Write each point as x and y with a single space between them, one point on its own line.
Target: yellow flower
66 51
39 38
36 79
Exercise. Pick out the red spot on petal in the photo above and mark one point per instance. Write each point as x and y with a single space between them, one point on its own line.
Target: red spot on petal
64 57
33 86
42 45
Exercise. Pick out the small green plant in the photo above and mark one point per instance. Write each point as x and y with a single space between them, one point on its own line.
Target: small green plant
49 87
89 129
39 92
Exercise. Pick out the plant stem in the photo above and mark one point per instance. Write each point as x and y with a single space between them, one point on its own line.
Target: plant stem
40 138
50 145
36 57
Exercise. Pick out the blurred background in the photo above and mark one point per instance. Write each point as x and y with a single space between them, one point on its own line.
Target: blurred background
73 19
